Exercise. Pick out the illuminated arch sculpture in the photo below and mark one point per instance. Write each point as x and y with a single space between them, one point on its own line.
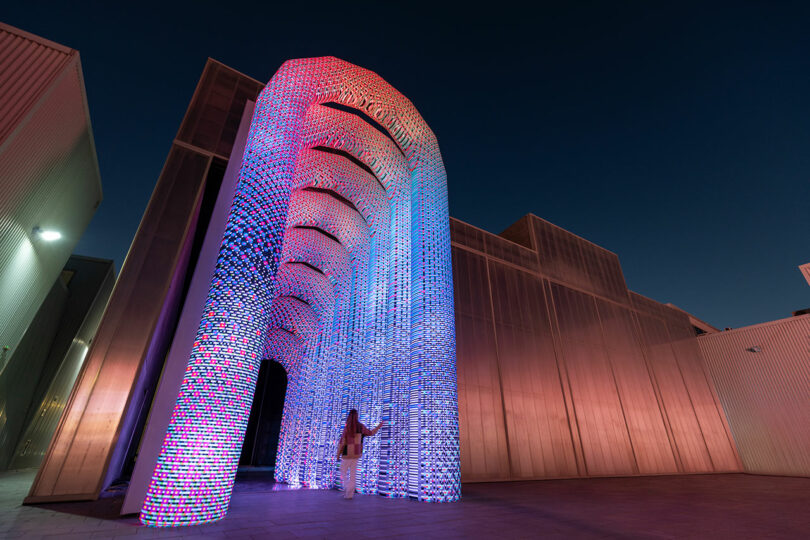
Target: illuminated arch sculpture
336 263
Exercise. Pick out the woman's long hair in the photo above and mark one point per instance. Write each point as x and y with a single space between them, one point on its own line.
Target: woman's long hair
352 425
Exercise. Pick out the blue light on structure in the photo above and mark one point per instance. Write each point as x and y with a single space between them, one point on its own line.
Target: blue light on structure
342 274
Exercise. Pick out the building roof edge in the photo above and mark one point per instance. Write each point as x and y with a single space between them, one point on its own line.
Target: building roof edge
38 39
236 71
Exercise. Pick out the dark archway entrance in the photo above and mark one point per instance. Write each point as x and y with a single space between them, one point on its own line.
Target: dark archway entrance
264 425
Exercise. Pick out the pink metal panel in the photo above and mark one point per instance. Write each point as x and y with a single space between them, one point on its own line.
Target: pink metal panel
762 376
559 254
509 251
689 443
484 451
645 421
598 394
538 426
28 64
604 272
708 412
600 418
213 117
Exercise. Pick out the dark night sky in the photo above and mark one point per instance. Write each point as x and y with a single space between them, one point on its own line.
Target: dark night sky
675 136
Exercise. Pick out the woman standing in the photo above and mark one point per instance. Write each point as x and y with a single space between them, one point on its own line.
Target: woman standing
350 448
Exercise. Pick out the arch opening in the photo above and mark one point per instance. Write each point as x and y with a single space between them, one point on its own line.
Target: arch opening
264 423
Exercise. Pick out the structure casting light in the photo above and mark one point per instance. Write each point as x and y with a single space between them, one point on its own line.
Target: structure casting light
341 273
47 235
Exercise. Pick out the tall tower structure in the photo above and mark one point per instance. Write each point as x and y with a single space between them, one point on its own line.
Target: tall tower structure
335 263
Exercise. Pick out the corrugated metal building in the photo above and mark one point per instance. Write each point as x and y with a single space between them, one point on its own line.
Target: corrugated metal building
49 175
49 183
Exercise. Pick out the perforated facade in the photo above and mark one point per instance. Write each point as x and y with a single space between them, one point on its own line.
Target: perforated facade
356 303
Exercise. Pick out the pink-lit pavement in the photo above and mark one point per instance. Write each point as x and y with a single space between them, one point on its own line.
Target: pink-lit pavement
711 506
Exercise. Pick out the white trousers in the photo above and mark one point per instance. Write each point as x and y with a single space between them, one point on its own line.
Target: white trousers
348 475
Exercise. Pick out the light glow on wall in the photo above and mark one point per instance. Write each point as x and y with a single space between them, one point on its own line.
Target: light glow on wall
339 271
47 235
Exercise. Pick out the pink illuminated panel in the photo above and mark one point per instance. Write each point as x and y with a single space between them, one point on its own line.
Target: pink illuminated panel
335 263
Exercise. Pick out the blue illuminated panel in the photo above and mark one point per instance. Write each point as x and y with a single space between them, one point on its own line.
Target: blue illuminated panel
342 274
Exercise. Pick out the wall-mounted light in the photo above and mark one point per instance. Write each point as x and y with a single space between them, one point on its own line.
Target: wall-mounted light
47 235
755 348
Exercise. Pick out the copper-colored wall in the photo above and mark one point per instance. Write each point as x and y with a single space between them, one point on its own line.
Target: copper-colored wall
762 374
563 372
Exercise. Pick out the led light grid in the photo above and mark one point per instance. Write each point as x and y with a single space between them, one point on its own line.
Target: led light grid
336 263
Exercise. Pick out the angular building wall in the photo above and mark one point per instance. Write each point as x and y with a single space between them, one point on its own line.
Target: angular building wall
49 180
88 283
563 372
116 384
762 373
20 378
48 172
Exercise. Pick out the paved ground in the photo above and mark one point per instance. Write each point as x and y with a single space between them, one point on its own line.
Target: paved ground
715 507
